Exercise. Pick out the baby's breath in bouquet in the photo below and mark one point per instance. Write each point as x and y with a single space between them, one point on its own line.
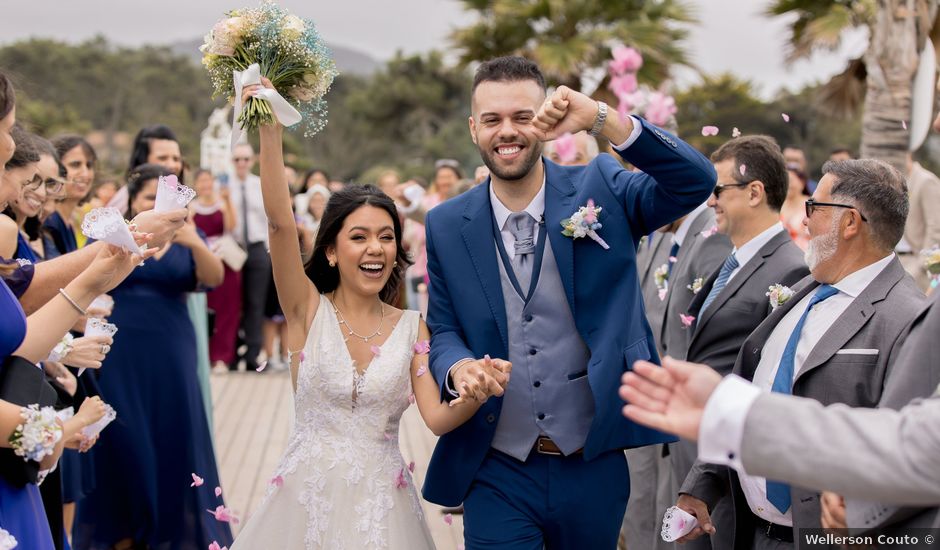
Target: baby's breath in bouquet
288 51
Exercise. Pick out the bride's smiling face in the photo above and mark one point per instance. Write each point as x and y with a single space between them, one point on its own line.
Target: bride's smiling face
365 250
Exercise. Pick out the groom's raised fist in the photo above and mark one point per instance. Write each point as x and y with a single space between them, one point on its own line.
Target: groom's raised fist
570 111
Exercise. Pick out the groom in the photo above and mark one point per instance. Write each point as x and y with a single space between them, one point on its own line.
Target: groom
542 465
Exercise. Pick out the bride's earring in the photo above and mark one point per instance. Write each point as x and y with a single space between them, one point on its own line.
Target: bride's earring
395 264
332 263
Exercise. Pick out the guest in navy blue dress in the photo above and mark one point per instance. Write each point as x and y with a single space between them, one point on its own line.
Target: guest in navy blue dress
161 436
79 159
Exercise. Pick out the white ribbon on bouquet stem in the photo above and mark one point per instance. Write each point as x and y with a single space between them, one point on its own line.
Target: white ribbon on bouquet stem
284 112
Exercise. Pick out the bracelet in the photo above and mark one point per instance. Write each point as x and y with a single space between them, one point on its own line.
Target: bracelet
62 349
77 307
36 437
599 120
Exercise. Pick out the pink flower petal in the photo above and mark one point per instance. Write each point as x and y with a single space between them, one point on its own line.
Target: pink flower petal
662 294
197 481
411 466
218 491
449 519
904 124
460 547
277 481
400 481
421 370
302 356
590 217
376 350
786 117
262 366
686 320
709 130
673 259
223 514
423 347
742 169
388 436
411 399
566 148
735 132
215 546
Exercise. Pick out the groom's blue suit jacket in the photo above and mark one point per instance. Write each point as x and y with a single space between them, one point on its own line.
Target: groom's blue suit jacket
467 315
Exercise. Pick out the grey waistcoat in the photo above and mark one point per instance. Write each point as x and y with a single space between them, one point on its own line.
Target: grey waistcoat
548 392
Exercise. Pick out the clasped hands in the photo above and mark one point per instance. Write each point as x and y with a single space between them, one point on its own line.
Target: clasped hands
480 379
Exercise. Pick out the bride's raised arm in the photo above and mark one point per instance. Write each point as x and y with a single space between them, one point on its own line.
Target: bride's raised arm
295 292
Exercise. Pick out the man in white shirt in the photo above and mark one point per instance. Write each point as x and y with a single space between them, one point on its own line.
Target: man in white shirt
831 341
251 231
731 302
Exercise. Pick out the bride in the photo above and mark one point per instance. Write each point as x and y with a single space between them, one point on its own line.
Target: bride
356 360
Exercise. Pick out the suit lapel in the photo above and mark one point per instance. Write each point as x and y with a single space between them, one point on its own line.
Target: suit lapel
644 269
853 318
559 204
758 338
477 231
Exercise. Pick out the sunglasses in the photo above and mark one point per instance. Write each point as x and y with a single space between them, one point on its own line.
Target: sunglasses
719 187
812 205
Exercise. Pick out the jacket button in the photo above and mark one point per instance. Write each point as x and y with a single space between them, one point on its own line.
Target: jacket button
491 418
541 416
532 351
528 318
537 384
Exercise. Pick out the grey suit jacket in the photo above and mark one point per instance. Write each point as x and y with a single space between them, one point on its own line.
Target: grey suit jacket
742 305
649 256
876 319
911 376
698 257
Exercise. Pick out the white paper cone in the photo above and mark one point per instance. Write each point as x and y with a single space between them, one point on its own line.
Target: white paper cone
108 225
677 523
171 194
98 327
95 429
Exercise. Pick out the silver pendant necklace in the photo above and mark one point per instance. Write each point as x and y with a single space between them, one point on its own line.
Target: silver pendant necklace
342 321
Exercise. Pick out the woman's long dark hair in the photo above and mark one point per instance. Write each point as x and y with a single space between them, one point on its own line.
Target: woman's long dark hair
338 208
141 148
139 176
7 96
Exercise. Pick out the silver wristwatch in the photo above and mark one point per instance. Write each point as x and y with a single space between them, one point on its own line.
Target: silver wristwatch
599 120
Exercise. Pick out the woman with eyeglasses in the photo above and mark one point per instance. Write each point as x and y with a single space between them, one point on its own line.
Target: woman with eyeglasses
64 226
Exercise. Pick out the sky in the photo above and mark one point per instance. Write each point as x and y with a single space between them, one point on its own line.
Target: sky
733 35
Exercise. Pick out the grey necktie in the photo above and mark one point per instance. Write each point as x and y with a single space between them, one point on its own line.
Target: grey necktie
520 224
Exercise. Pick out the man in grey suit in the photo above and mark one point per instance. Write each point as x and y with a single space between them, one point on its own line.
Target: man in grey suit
652 483
894 454
732 302
832 340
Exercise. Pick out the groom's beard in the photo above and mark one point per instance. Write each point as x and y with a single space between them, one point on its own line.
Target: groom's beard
512 173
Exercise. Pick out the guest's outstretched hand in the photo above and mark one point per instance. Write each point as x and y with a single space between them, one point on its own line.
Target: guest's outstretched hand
670 398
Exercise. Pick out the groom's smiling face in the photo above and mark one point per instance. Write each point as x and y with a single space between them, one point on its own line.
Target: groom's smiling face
501 126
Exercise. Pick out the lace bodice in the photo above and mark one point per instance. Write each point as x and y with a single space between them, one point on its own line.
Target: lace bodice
347 433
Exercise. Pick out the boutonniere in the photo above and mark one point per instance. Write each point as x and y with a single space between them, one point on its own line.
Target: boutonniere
709 232
696 285
661 277
583 223
778 295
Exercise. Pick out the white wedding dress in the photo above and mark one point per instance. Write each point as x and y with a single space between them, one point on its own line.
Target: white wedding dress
342 482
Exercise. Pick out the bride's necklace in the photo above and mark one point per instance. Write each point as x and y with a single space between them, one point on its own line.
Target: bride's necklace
342 321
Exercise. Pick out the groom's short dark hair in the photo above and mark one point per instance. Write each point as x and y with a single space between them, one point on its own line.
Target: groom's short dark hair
510 68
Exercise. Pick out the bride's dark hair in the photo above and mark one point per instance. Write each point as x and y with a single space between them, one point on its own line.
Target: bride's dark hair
340 206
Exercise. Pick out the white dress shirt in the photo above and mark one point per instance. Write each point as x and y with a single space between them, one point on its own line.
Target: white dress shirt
750 249
257 220
536 209
722 426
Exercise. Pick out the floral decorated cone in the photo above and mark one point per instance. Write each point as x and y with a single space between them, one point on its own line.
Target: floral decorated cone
171 194
108 225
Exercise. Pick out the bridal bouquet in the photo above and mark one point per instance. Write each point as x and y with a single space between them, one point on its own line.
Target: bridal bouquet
268 41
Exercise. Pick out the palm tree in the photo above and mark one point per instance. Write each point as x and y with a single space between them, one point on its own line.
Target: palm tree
898 31
567 38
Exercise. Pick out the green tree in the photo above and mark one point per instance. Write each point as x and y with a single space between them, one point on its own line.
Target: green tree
567 38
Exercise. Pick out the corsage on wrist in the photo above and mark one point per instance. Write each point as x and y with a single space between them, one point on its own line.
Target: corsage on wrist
62 349
36 437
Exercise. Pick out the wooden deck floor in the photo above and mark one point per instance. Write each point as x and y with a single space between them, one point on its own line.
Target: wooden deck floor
252 415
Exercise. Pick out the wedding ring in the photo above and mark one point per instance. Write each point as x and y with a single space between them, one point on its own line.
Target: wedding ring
105 348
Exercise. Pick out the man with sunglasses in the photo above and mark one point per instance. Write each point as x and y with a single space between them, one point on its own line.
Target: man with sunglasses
732 301
832 340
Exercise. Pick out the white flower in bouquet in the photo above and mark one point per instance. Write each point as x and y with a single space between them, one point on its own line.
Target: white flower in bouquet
7 541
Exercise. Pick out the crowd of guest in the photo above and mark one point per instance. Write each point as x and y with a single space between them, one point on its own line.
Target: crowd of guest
204 300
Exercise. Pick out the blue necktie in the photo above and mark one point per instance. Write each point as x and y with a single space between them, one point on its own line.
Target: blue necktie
779 493
670 262
726 269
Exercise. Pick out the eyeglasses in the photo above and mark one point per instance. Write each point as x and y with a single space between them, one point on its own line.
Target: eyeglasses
242 159
34 183
54 186
719 187
812 205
